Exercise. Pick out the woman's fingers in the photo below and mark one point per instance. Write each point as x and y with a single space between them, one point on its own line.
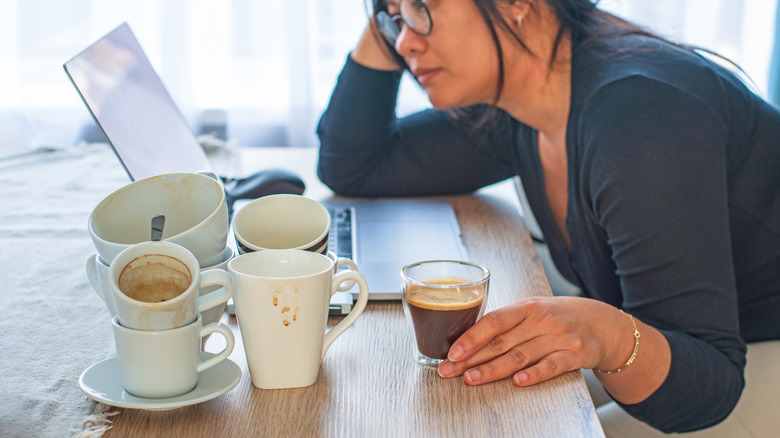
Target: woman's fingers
552 365
503 344
502 366
488 330
531 362
534 340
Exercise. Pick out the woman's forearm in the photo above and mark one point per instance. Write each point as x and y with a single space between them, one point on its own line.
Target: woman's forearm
647 371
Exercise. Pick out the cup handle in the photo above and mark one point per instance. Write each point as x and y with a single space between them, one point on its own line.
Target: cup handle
215 277
357 309
343 261
216 327
209 174
92 275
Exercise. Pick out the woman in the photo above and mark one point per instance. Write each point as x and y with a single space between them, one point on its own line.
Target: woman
653 173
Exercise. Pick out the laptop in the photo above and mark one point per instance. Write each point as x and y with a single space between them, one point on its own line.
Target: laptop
149 135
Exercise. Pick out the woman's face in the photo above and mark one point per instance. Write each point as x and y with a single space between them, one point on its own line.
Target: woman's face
456 63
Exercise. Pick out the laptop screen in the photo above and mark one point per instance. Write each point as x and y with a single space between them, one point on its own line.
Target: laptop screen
133 109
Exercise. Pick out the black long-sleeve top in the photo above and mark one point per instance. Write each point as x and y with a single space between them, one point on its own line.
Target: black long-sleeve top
673 201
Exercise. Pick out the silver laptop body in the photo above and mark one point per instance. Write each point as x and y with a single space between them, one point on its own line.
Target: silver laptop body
131 106
382 236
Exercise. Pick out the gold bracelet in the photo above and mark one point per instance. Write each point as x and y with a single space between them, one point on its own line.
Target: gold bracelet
633 355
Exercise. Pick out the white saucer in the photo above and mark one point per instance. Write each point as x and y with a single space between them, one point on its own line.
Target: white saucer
227 254
103 384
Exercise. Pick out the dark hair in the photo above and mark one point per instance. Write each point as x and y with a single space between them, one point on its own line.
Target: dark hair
581 19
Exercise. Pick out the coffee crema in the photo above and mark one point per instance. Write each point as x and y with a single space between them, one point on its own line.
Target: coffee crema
154 278
440 315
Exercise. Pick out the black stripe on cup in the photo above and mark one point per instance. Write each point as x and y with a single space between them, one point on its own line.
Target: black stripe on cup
243 249
320 247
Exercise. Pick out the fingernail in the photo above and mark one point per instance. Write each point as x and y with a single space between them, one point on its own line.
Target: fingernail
520 379
456 353
472 376
445 369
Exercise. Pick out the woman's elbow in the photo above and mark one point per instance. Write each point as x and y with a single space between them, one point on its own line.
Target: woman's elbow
338 181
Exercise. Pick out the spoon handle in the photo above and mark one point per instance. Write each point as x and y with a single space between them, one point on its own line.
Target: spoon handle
158 223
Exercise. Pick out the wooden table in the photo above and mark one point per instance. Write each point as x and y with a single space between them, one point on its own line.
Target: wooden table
369 384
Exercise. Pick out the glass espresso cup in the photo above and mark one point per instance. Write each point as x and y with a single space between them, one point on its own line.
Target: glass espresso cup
442 299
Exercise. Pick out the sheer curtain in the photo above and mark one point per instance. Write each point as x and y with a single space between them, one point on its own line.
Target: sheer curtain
259 72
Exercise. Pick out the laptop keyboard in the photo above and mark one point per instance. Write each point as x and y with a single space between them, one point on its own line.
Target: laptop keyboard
340 239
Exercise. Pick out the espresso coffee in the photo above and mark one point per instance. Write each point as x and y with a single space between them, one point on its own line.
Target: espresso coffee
154 278
441 314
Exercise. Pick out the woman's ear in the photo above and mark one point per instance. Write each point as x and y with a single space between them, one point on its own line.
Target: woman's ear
520 10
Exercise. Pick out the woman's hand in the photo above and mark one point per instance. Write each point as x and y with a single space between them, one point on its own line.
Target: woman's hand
537 339
372 52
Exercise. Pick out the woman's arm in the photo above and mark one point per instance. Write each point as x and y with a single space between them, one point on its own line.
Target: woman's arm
657 181
366 151
654 174
537 339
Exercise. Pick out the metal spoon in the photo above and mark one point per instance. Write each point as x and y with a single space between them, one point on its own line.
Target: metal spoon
158 222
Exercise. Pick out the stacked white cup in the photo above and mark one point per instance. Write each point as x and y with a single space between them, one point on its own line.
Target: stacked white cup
196 217
164 296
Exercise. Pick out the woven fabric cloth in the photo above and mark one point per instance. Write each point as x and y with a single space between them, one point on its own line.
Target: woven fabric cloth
53 323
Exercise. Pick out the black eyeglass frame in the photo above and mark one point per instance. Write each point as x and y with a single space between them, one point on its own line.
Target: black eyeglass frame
390 25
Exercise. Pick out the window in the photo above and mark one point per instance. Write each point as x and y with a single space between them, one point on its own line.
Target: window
265 69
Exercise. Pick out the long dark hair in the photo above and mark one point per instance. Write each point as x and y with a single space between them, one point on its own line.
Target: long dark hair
580 18
583 20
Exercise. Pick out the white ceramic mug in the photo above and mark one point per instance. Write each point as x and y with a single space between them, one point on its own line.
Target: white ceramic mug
287 222
282 300
195 209
282 222
97 273
151 266
165 363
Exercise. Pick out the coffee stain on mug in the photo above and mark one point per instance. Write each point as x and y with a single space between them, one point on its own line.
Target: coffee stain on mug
145 320
287 306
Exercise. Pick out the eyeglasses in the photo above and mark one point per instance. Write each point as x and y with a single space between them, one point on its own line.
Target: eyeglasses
413 14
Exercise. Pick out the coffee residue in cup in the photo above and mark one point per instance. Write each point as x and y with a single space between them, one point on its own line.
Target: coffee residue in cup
154 278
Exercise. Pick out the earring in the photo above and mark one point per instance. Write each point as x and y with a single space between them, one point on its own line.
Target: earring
519 20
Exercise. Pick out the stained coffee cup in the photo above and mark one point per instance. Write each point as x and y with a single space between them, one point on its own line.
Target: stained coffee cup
442 299
282 222
194 206
282 300
156 286
97 273
165 363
